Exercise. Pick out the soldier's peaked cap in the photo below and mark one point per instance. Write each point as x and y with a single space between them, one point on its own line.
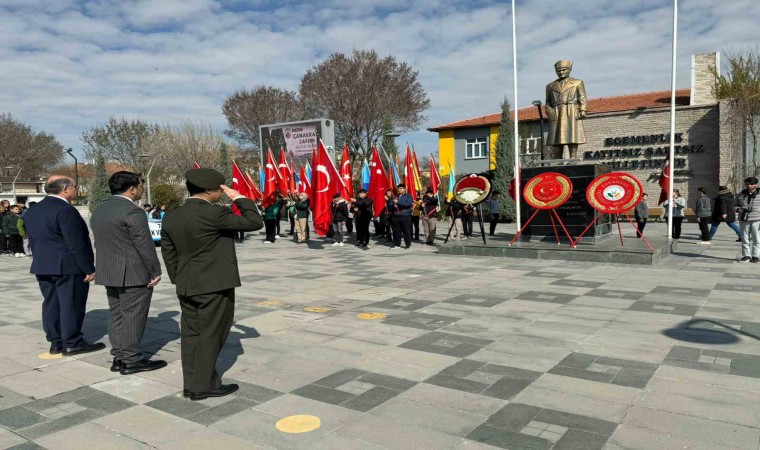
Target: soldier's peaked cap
563 63
204 178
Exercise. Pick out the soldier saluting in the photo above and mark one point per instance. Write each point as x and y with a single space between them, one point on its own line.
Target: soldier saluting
198 246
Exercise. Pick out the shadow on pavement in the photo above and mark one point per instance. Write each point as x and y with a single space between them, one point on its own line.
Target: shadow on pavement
233 348
691 331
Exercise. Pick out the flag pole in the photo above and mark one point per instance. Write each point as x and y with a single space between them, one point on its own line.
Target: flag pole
671 153
516 119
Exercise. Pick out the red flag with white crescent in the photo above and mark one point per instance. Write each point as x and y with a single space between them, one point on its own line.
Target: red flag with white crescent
378 182
409 178
326 183
239 184
346 175
270 181
665 181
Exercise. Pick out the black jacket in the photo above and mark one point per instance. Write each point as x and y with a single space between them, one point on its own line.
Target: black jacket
198 244
455 209
339 211
429 206
725 203
363 208
302 209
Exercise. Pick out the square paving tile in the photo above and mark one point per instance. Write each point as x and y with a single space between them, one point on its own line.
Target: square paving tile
680 291
616 293
401 304
492 380
60 412
421 321
446 344
483 301
546 297
622 372
709 360
518 426
545 274
577 283
663 308
355 389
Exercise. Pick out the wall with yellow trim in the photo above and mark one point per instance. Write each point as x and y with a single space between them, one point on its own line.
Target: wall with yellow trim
494 135
446 151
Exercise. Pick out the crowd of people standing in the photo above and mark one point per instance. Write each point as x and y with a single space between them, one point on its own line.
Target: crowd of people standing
740 212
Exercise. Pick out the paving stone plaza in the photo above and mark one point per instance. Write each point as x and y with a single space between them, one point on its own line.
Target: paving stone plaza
340 348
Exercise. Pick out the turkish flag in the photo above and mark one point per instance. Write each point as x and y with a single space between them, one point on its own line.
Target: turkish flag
346 175
196 165
326 183
270 181
303 182
284 172
378 182
665 181
239 184
409 178
435 178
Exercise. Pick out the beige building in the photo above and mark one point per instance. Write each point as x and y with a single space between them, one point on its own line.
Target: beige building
628 133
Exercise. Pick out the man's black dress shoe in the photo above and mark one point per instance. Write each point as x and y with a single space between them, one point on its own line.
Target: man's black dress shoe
84 348
116 365
143 365
221 391
56 349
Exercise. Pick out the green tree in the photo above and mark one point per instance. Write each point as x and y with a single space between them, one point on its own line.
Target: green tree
34 153
98 188
505 161
122 141
739 91
389 142
164 194
225 163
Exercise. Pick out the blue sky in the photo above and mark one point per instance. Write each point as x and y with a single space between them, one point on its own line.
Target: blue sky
67 65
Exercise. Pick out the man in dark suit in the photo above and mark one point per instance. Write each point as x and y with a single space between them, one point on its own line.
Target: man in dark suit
64 266
129 268
198 246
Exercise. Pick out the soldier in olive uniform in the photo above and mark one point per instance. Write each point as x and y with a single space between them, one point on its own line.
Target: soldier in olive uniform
198 246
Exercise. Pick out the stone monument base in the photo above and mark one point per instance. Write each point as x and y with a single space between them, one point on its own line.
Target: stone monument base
607 251
576 214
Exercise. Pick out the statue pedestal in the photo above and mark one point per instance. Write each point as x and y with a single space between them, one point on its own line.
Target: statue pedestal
576 213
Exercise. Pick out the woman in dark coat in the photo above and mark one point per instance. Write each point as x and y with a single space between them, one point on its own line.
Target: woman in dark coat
724 212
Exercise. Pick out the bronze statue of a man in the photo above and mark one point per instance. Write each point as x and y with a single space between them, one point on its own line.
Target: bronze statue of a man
565 109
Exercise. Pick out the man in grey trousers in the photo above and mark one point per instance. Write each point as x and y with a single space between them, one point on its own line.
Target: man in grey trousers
128 267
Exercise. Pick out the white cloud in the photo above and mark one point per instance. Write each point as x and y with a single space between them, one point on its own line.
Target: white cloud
68 65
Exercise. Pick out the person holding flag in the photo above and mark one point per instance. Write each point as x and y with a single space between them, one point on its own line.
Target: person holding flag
429 216
325 184
363 213
401 217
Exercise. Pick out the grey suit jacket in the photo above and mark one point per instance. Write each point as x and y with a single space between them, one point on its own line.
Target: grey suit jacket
125 254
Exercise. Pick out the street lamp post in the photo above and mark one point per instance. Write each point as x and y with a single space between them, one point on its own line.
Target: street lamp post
13 185
76 167
147 176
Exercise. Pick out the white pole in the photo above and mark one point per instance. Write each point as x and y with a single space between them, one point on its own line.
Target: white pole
518 220
671 153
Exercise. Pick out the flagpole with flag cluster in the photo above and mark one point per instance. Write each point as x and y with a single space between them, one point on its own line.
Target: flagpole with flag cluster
671 153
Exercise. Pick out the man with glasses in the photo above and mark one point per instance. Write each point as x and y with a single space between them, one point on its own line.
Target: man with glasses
64 267
749 221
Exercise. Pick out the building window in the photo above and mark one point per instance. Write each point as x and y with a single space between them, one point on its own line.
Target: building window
476 148
531 145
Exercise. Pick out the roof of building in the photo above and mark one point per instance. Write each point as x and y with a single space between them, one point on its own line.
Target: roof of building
630 102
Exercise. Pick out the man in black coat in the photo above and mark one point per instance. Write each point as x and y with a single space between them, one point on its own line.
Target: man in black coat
198 246
724 211
363 214
128 267
64 266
